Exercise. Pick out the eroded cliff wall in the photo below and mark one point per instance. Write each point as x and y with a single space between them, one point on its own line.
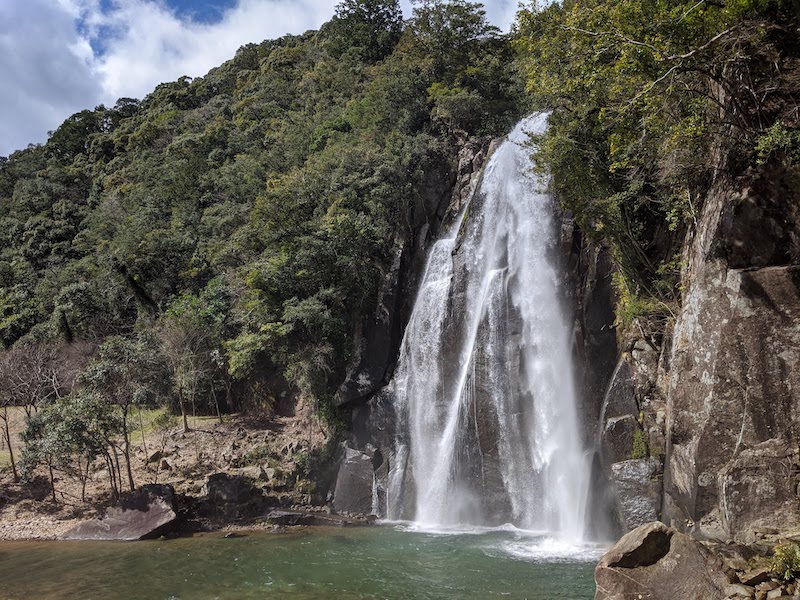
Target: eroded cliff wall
733 410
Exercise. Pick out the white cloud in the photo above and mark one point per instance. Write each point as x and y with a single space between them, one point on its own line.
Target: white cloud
150 44
501 12
49 69
60 56
44 75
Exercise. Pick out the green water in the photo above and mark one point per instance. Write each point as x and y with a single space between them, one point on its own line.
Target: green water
370 563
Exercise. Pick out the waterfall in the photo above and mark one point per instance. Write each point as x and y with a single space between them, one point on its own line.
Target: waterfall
488 426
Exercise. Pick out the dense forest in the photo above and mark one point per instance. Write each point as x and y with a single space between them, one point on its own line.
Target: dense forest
213 245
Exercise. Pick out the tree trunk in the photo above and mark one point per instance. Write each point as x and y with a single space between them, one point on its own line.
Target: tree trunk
111 478
52 482
183 412
119 470
144 441
7 436
84 479
216 402
127 447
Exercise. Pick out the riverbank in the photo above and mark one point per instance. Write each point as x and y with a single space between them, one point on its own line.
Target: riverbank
226 474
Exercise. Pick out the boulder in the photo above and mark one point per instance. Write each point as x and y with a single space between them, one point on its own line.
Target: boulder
354 483
231 497
145 513
659 563
638 488
288 518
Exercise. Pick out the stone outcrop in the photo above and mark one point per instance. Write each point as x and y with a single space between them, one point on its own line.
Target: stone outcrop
734 388
631 436
148 512
354 483
637 487
659 563
232 497
298 518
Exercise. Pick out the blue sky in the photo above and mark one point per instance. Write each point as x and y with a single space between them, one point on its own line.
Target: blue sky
60 56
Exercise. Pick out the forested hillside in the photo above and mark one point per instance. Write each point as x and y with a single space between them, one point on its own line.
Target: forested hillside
228 231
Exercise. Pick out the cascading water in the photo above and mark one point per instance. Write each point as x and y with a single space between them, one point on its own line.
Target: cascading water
488 430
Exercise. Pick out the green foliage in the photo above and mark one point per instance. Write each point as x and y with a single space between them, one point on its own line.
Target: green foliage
640 449
70 435
164 421
219 240
781 140
786 561
644 95
128 371
370 28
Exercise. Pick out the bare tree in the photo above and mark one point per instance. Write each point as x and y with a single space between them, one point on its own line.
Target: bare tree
31 376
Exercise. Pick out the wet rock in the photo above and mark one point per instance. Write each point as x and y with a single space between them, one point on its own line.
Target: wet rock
148 512
659 563
354 482
620 398
638 490
617 439
284 518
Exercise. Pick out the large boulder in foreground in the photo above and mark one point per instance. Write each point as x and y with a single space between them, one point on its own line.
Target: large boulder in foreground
659 563
145 513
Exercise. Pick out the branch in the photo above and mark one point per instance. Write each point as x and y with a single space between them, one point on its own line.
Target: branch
705 46
613 34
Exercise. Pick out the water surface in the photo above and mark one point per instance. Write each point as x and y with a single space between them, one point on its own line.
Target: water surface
371 563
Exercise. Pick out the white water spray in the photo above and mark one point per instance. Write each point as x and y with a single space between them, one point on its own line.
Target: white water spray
488 430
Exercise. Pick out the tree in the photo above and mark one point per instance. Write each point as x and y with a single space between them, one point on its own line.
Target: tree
370 28
128 372
70 435
191 335
448 33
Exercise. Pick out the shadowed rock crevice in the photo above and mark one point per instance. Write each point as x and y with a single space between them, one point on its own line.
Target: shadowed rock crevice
652 548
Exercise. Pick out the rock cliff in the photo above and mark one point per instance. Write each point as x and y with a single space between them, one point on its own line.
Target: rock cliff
733 410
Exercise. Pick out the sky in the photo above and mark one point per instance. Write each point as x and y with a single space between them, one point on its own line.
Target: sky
58 57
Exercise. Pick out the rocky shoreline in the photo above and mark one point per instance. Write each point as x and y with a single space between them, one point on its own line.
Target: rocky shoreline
155 511
658 562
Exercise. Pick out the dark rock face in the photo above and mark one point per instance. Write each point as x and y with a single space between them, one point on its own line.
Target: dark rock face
659 563
377 339
734 390
354 483
145 513
591 293
231 497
